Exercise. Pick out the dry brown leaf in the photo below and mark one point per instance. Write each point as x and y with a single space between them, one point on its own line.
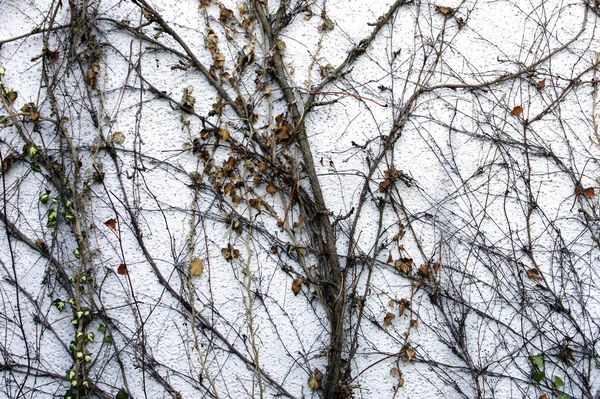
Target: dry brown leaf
518 110
297 285
196 267
409 353
387 320
446 10
314 382
391 303
12 95
541 84
271 189
404 265
424 271
224 134
534 274
414 323
543 396
389 259
112 223
225 14
280 223
589 192
394 372
404 304
122 269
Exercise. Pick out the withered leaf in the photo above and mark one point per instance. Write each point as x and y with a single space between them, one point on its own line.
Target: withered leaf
387 320
414 323
256 203
534 274
225 14
389 259
404 265
31 109
112 223
391 303
271 189
297 285
518 110
541 84
280 223
122 269
424 271
384 185
445 10
409 354
315 381
404 304
196 267
224 134
394 372
589 192
283 131
118 137
12 95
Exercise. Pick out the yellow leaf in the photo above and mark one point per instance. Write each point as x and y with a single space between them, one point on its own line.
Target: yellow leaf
196 267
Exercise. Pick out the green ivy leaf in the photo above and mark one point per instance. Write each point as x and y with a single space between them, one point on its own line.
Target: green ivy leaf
77 254
35 167
102 328
122 394
32 150
563 396
108 339
538 376
60 305
538 361
51 218
45 197
558 382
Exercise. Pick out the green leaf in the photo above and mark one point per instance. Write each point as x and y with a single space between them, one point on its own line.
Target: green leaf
32 150
538 361
538 376
77 254
563 396
35 167
51 218
558 382
60 305
102 328
108 339
122 394
45 197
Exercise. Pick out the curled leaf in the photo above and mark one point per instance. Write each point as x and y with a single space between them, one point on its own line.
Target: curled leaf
297 285
387 320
